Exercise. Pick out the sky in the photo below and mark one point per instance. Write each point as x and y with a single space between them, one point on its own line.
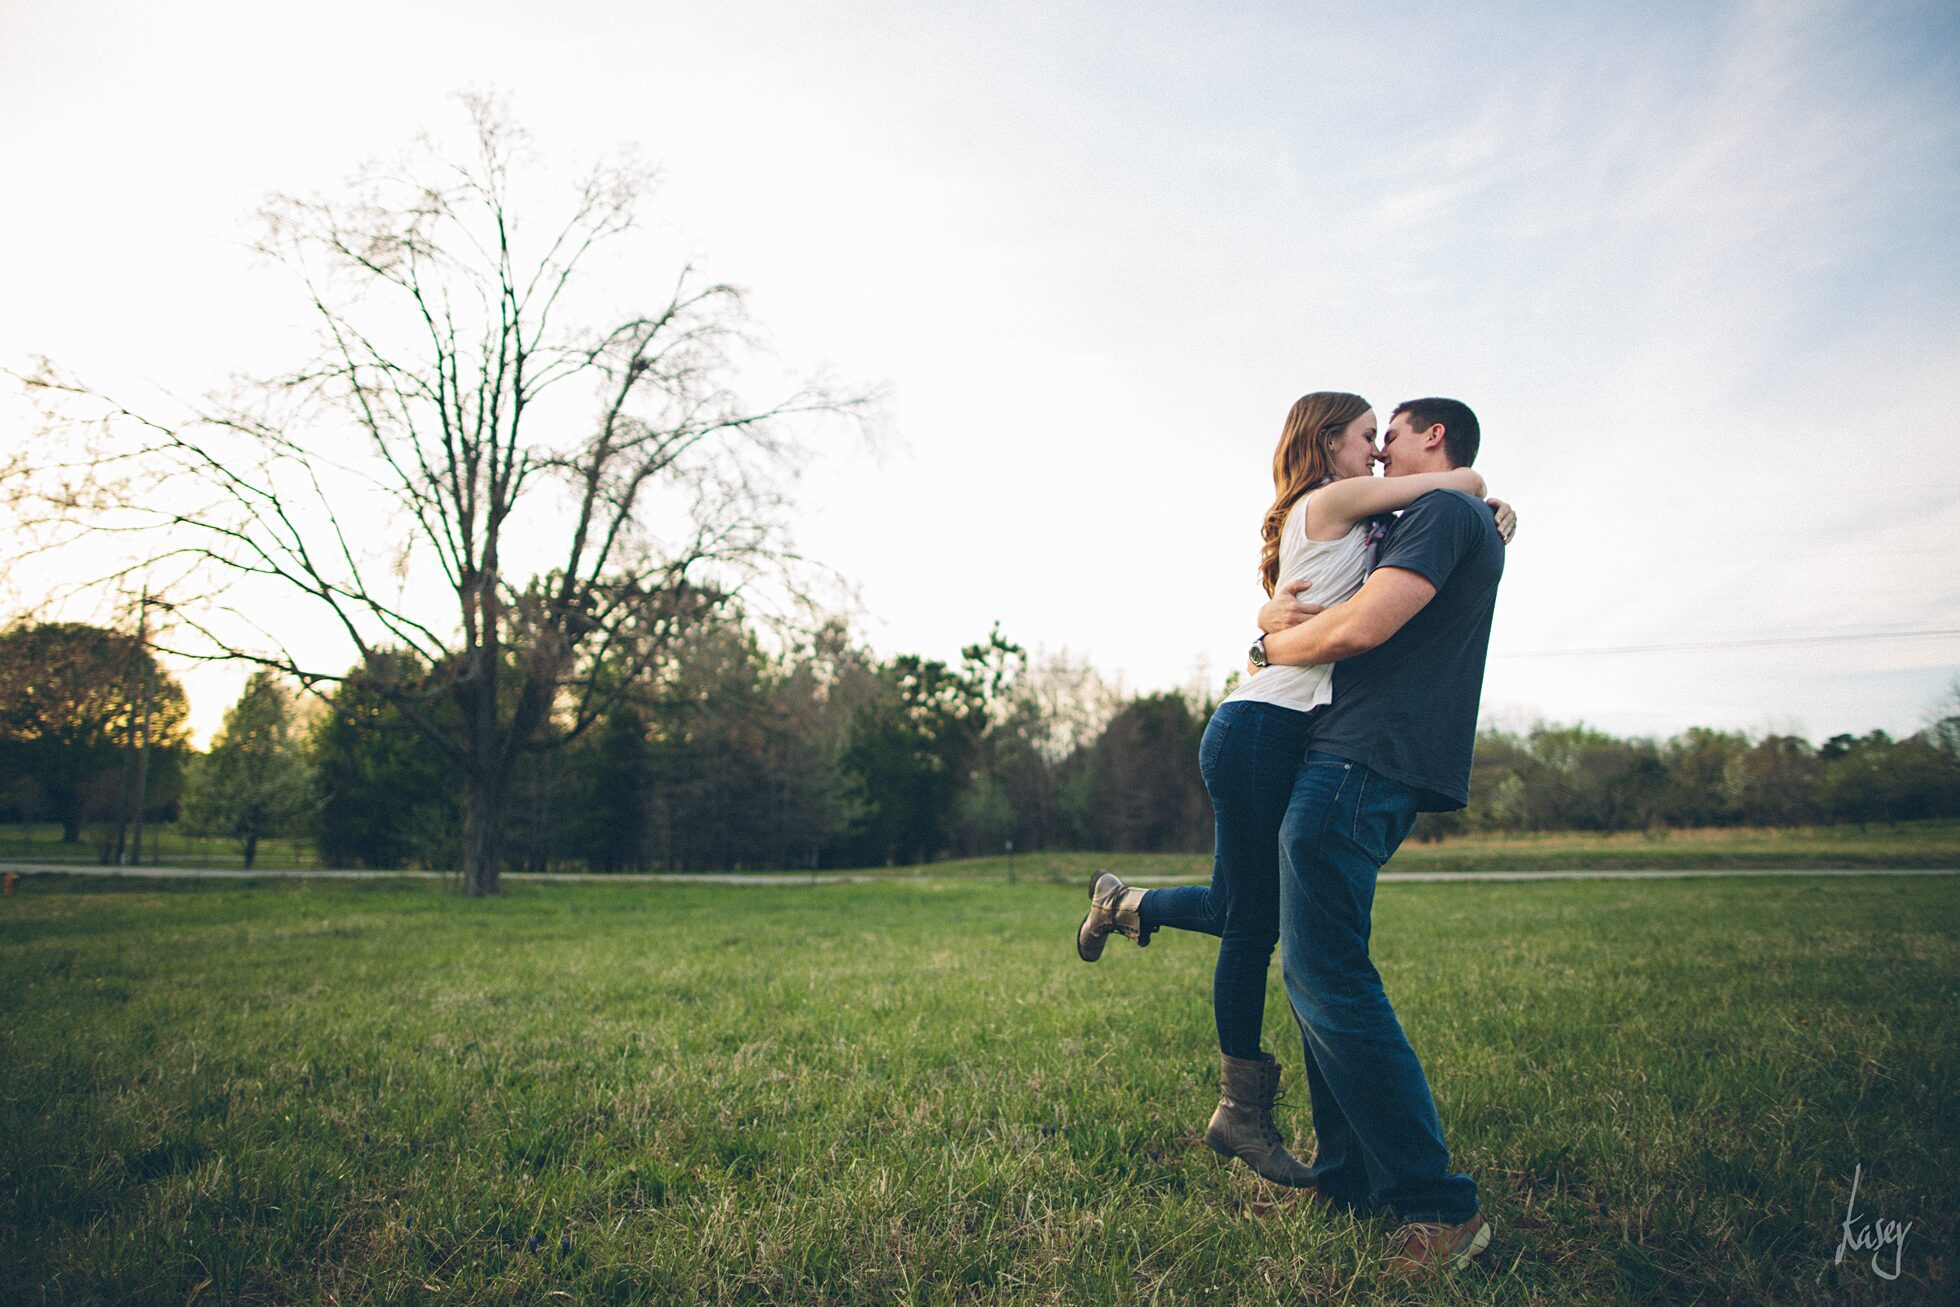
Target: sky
1695 266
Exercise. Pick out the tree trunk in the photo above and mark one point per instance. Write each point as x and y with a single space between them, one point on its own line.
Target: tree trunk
487 770
251 850
483 832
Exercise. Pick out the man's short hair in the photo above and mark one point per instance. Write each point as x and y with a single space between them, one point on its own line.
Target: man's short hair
1460 432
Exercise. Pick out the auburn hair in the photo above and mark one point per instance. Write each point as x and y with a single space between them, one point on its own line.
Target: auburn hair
1301 462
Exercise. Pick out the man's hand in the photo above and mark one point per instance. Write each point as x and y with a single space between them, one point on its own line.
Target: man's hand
1285 609
1507 519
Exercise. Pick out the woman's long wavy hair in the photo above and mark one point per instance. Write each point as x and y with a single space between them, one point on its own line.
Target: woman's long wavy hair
1301 463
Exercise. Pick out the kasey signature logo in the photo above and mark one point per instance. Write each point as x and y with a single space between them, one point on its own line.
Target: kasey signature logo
1875 1235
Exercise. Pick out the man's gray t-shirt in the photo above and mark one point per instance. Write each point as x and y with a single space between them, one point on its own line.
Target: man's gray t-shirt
1408 708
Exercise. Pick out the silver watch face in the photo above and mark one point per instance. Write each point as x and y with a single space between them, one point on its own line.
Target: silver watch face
1259 652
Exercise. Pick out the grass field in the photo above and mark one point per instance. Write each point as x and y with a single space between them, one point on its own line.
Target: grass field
1907 844
913 1092
163 845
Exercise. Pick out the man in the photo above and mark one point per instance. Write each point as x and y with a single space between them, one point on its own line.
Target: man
1396 740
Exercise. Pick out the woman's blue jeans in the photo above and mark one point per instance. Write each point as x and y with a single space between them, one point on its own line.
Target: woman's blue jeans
1249 757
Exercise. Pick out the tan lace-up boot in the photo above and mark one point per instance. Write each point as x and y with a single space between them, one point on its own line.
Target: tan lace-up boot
1112 907
1426 1248
1243 1126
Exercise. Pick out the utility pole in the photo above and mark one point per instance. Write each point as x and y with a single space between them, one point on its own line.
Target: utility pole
134 853
143 757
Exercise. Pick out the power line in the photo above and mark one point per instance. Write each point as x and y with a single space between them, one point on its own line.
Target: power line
1705 645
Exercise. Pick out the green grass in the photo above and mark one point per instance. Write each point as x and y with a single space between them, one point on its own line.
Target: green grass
912 1092
163 845
1907 844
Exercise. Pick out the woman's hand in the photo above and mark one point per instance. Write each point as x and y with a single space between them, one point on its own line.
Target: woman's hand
1507 519
1285 609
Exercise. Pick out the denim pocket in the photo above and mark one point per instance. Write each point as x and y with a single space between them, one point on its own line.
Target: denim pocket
1384 813
1213 742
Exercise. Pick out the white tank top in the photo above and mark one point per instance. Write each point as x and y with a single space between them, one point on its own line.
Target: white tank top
1336 568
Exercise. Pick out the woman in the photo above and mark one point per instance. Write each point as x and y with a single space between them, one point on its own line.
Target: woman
1318 530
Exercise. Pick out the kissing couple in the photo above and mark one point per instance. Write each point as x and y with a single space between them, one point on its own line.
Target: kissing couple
1359 711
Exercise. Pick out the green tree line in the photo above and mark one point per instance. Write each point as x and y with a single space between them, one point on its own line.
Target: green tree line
736 752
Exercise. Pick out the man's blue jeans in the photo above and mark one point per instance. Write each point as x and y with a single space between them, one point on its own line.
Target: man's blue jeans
1248 758
1379 1138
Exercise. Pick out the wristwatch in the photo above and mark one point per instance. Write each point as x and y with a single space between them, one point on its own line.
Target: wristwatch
1258 653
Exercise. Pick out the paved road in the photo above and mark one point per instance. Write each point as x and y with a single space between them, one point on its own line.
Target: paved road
324 873
835 878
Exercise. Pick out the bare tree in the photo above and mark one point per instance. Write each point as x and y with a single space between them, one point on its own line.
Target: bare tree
430 485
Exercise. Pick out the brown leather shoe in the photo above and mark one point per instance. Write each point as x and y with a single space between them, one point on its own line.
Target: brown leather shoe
1242 1127
1112 907
1425 1248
